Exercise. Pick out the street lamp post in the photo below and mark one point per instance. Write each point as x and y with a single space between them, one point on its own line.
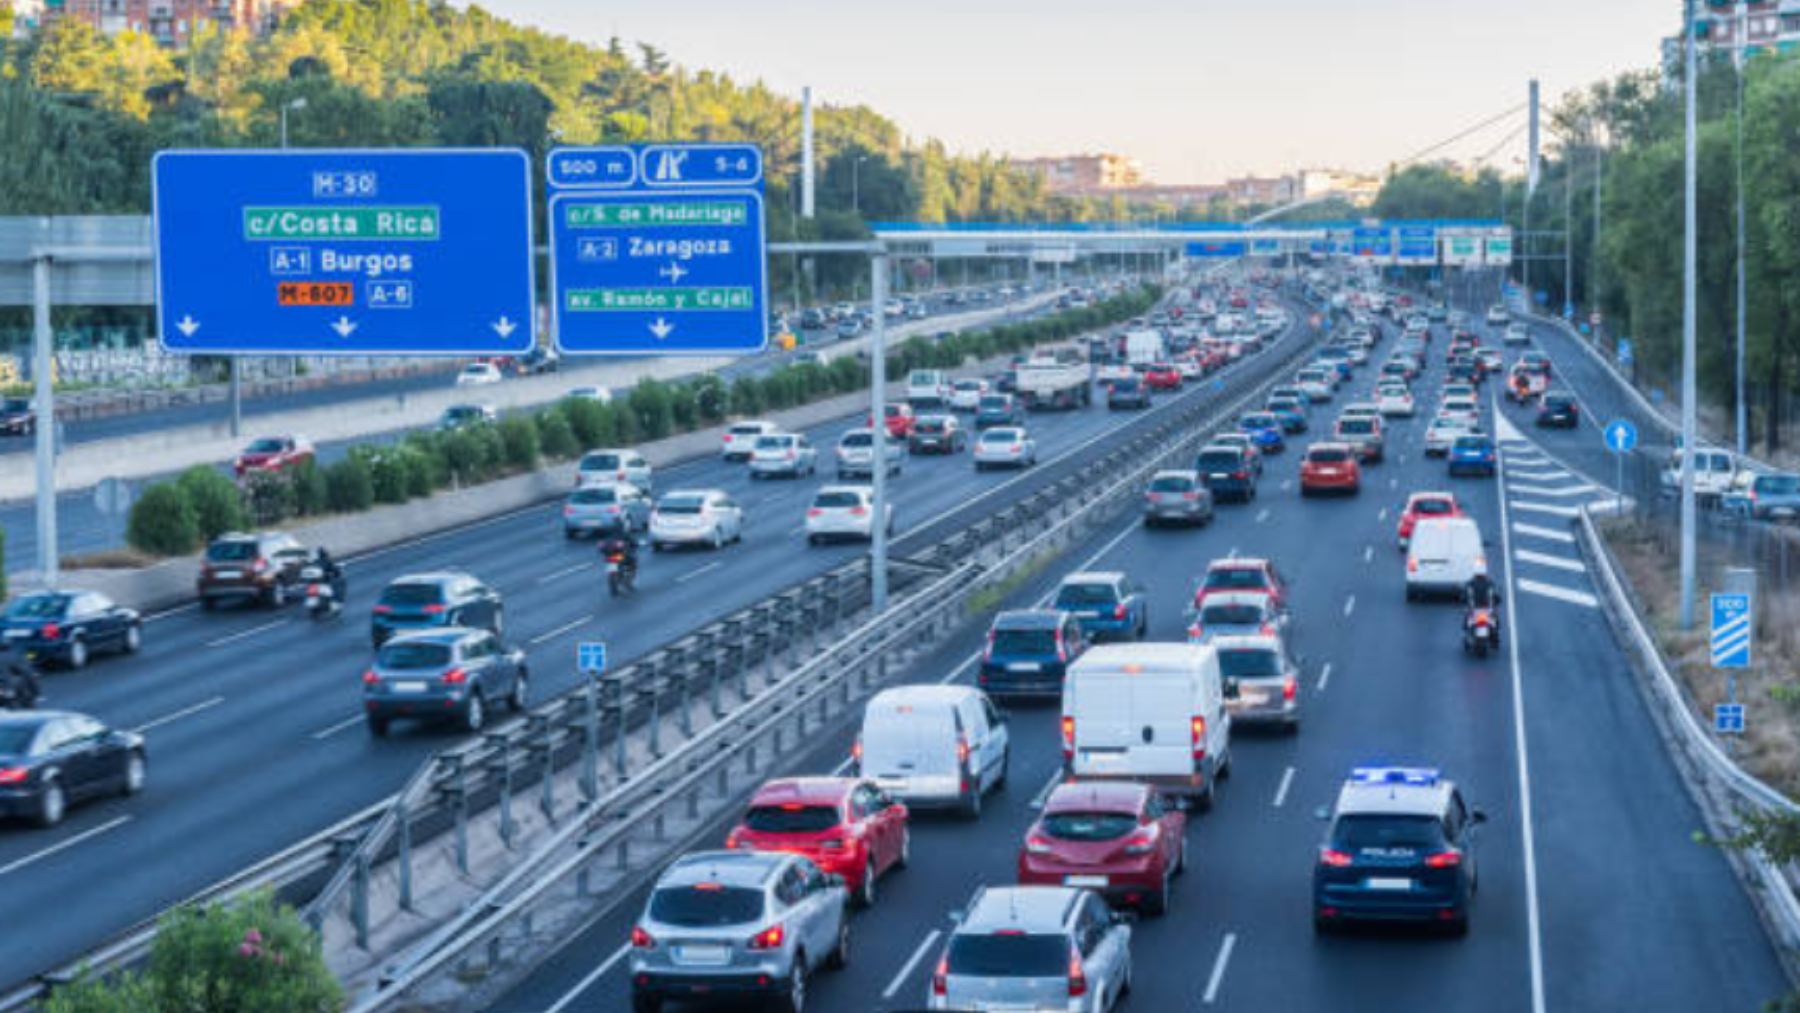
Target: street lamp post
296 105
1743 430
1688 325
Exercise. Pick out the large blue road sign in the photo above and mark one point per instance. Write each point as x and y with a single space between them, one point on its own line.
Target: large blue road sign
1416 244
658 249
1372 242
1731 630
1221 248
344 252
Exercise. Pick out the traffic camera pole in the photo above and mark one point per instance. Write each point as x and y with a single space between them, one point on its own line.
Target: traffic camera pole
878 547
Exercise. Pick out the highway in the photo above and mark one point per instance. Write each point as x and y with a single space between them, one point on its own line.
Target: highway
1593 894
254 721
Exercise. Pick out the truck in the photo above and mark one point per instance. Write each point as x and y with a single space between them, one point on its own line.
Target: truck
1144 347
1055 381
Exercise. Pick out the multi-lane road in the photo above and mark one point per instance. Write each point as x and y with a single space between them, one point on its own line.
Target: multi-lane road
1593 893
254 717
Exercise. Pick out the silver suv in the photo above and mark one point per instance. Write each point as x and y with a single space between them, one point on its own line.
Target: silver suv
1035 947
738 924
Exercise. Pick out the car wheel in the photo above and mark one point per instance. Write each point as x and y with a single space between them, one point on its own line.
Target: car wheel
646 1004
134 638
517 700
865 896
52 805
475 715
971 806
1005 762
207 603
1157 904
1181 857
378 727
134 773
794 1001
1459 926
718 539
78 652
812 539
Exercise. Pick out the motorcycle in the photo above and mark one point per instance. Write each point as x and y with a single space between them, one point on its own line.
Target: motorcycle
621 575
321 598
1480 633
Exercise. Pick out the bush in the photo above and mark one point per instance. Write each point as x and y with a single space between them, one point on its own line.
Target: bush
555 435
347 486
310 494
712 401
621 426
217 502
519 442
651 404
269 496
2 564
162 522
683 411
746 396
431 471
387 472
585 418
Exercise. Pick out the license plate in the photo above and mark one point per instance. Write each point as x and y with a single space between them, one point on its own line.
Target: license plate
704 954
409 686
1024 666
1383 883
1253 699
17 634
228 574
1084 880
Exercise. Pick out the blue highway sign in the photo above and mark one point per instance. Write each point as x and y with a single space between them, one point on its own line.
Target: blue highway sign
344 252
1417 244
1624 354
1225 248
1728 718
1731 630
1621 436
1372 242
590 656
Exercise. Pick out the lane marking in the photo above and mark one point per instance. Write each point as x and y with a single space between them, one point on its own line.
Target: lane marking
560 630
906 969
1043 794
1559 593
1349 606
588 982
244 634
1324 675
1382 516
1286 484
564 572
1393 483
1232 554
1546 490
1218 971
1545 559
326 733
1550 533
38 856
1263 515
1287 780
1368 553
178 715
697 571
1545 508
1544 476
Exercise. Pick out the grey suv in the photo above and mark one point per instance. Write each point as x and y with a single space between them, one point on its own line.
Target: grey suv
1035 947
435 600
453 674
738 925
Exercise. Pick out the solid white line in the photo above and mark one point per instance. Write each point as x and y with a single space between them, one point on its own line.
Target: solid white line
178 715
1287 780
1559 593
1263 515
564 572
1545 559
1218 971
588 982
1544 476
326 733
1043 794
1393 483
1545 490
1349 606
1368 553
691 574
1545 508
1324 675
1550 533
38 856
242 634
1382 516
560 630
1534 933
906 969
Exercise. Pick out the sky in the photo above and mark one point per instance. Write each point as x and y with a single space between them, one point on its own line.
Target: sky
1198 90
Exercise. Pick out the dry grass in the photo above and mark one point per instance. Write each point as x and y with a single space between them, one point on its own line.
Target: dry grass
1770 689
109 559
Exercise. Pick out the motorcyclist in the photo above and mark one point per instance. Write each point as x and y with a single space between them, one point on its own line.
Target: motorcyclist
331 573
623 547
1481 594
19 688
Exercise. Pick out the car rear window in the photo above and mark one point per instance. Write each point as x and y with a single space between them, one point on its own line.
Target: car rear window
791 818
743 430
837 500
1431 507
1233 577
1125 384
680 505
407 656
601 462
1008 955
1262 421
1387 830
1024 641
706 905
773 442
15 738
412 594
1231 615
1218 460
999 436
994 402
930 426
39 606
1076 826
1471 443
596 495
1086 594
860 439
231 552
1327 456
1783 485
1249 663
1171 483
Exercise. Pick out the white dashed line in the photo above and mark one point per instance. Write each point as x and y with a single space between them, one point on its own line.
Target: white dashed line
1546 490
1218 971
38 856
1382 516
588 982
1559 593
1324 675
1545 508
1349 606
1043 794
1262 515
326 733
1544 559
1550 533
906 969
560 630
564 572
178 715
245 634
691 574
1287 781
1368 553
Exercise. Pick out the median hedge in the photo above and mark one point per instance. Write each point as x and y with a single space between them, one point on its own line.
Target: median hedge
175 517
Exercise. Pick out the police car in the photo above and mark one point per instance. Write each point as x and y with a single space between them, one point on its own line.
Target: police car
1401 848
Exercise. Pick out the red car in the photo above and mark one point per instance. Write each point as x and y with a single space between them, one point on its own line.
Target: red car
1330 467
1426 504
899 416
273 453
1242 573
1162 376
845 825
1117 838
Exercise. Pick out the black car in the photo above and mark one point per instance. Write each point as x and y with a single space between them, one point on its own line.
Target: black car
936 434
427 600
1401 847
537 361
453 674
1559 410
52 759
68 627
16 417
812 319
1128 392
1006 381
1029 651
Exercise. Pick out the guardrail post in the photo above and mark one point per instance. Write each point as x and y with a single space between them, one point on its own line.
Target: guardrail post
679 671
650 692
538 735
590 741
359 899
613 699
403 828
458 790
502 765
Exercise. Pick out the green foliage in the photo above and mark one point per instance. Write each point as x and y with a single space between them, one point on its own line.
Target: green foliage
712 400
2 564
310 493
217 503
554 432
388 472
162 522
269 497
348 488
652 407
746 396
519 442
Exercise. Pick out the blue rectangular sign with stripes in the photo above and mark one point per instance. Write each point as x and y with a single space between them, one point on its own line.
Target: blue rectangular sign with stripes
1731 631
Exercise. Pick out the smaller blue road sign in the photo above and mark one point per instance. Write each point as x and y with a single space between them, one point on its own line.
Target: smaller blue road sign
1731 630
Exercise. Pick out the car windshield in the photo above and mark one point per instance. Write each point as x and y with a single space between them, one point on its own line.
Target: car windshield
601 462
233 551
1041 641
1008 955
1171 483
1432 507
1231 614
1332 456
266 445
791 818
412 594
837 500
1249 663
1086 594
1000 436
968 385
680 505
706 905
1357 831
1218 460
993 402
595 495
1076 826
407 656
38 606
1779 485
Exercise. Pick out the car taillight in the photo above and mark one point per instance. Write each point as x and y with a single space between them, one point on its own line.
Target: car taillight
856 752
370 678
1140 843
382 610
1334 858
1062 650
1077 978
1119 611
1240 474
640 940
14 775
859 511
1480 564
962 750
1197 729
1068 737
1412 565
1190 496
1289 688
1449 859
814 512
432 610
259 566
940 977
768 939
1037 845
568 511
455 677
50 631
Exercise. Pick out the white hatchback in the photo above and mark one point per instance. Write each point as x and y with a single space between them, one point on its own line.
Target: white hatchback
696 517
478 374
844 511
740 438
1005 446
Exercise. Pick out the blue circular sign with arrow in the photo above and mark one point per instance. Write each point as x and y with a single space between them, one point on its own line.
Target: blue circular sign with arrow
1621 436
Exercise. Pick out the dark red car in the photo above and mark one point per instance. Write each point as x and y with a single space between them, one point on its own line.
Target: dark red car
273 453
845 825
899 416
1117 838
1238 574
1162 376
1421 505
1330 467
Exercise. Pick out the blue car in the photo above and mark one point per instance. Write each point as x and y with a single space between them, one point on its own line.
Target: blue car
1401 848
1265 431
1029 651
1291 417
1472 455
1106 604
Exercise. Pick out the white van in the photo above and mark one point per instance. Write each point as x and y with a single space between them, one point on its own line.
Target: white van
927 388
1149 712
1444 554
933 745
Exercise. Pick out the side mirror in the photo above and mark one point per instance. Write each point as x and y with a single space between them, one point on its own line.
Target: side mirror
1479 816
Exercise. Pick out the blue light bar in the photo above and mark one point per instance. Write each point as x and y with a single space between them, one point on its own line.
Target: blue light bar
1422 777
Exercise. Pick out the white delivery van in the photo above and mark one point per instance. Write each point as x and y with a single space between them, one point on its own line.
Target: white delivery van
1144 347
933 745
928 388
1445 552
1148 712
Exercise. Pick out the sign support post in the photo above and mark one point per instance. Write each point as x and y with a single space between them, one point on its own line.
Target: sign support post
878 540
